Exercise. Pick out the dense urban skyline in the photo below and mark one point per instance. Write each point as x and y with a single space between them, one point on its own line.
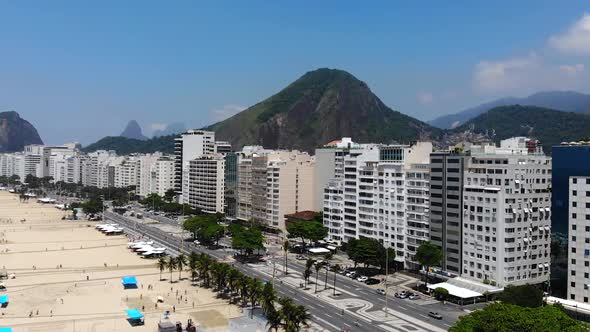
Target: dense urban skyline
200 63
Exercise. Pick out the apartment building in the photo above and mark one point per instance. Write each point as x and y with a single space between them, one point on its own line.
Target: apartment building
161 176
578 277
447 169
206 183
188 146
381 192
277 183
244 180
506 214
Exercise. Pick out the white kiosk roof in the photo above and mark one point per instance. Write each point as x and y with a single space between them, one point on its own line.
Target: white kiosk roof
460 292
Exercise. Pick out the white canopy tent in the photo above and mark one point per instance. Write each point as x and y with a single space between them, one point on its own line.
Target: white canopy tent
456 291
318 251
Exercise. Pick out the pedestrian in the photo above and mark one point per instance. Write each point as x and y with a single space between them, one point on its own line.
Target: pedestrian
62 301
173 308
51 313
193 304
143 308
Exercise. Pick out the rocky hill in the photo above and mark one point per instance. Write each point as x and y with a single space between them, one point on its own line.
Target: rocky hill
16 132
133 131
321 106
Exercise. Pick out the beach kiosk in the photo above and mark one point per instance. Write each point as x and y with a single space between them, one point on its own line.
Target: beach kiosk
135 317
5 329
129 282
3 301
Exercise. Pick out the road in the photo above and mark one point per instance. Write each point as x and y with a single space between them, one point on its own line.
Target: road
358 303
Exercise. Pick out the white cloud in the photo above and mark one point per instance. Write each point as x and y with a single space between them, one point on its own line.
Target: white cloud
576 40
226 111
572 69
158 126
425 98
504 75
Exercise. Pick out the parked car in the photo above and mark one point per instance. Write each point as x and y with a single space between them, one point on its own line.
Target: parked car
300 257
434 315
197 242
381 291
401 295
372 281
352 274
414 297
362 278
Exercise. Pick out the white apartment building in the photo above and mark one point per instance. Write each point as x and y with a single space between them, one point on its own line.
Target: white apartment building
146 163
506 214
126 171
161 176
381 192
95 169
578 276
188 146
272 184
206 177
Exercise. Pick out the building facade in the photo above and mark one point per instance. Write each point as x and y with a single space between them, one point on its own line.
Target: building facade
206 183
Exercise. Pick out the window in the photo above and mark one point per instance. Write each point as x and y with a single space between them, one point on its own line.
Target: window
587 181
574 180
573 272
574 193
574 204
574 216
572 297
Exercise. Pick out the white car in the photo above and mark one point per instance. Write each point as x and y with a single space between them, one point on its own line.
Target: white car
362 278
197 242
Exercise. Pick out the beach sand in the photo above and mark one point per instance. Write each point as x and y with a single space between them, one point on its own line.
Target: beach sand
56 260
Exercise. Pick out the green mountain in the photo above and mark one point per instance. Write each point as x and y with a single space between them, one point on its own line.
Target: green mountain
549 126
124 145
321 106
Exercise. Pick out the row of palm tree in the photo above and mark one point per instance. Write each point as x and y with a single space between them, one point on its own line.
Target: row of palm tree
281 312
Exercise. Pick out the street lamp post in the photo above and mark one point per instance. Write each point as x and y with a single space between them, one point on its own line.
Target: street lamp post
386 277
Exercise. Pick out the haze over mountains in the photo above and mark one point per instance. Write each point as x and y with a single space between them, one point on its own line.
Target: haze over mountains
568 101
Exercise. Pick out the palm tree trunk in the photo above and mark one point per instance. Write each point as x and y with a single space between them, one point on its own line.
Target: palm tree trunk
334 283
286 269
326 281
317 274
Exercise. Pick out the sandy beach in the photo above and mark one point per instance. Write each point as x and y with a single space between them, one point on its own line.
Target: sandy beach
68 278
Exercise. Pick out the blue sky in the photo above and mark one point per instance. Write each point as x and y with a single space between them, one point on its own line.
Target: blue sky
81 70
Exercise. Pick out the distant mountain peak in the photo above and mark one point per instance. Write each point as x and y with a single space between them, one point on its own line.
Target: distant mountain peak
133 130
16 132
566 101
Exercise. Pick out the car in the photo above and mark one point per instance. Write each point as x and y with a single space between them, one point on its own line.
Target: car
352 274
197 242
300 257
372 281
414 297
381 291
362 278
435 315
401 295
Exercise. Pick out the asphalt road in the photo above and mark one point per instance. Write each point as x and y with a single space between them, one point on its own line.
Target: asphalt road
325 314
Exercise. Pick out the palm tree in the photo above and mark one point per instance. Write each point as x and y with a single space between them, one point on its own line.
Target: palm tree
286 249
267 298
243 286
254 291
273 320
232 275
301 318
162 264
171 264
307 272
335 269
328 258
193 259
204 267
180 263
318 267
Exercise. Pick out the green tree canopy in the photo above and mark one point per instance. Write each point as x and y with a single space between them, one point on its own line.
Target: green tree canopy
307 230
527 295
500 317
247 239
429 254
368 251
